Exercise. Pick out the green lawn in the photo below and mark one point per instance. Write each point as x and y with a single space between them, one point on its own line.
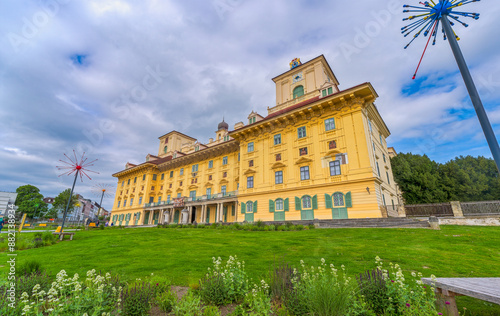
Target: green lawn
185 254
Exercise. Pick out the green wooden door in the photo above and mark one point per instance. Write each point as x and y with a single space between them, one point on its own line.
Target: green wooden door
207 220
176 217
279 216
146 218
339 213
155 218
225 214
307 215
249 217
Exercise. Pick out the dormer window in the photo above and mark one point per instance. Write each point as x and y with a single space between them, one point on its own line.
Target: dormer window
326 92
196 148
165 149
252 120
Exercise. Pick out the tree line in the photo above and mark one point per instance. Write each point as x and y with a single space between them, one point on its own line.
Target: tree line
30 201
466 179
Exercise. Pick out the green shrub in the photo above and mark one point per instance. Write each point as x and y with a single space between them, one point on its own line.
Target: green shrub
211 311
259 223
29 267
272 227
101 226
189 305
48 238
166 301
136 300
173 226
224 283
299 227
26 283
289 224
374 290
311 226
280 228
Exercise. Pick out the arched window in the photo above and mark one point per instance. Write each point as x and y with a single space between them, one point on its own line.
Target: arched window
338 199
279 204
249 207
298 91
306 202
165 149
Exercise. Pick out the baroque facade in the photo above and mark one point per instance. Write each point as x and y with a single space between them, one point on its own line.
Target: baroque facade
320 153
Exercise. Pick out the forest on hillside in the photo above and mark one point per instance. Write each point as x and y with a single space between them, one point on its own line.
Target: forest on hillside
464 179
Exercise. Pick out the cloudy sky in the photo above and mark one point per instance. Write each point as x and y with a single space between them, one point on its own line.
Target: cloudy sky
110 76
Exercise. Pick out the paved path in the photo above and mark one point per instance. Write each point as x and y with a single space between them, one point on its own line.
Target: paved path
486 289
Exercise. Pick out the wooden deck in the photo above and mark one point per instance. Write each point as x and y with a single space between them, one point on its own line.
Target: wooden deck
486 289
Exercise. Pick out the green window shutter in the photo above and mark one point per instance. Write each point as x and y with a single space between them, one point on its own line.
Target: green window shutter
328 201
233 210
271 206
348 200
138 214
243 208
255 207
315 202
286 207
298 206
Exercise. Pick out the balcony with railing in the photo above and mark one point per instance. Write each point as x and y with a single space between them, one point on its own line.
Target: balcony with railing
202 198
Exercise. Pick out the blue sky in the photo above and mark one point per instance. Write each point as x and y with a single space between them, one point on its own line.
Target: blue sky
111 76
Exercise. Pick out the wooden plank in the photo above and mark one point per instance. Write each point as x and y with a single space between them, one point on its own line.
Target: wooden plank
486 289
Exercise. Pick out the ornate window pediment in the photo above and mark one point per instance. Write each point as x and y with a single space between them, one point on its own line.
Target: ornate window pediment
209 185
303 160
333 152
192 187
223 181
179 190
249 172
168 191
278 165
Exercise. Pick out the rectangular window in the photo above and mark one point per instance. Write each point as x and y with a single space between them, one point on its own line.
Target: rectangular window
278 157
278 177
224 174
154 177
170 185
378 170
330 90
196 148
370 125
180 184
135 181
249 182
124 202
209 177
383 198
223 190
380 136
140 200
224 160
128 182
162 176
209 191
335 168
159 199
323 93
277 139
329 124
192 194
279 204
250 163
179 195
143 177
383 156
250 147
238 156
123 183
388 179
301 132
303 151
210 164
117 206
181 172
304 173
194 168
171 174
153 188
151 199
168 198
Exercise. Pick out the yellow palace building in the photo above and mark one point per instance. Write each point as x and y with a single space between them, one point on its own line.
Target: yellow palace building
320 153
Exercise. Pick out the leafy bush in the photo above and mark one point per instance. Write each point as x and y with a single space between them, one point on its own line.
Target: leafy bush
224 283
372 286
166 301
272 227
299 227
48 238
29 267
211 311
259 223
137 300
189 305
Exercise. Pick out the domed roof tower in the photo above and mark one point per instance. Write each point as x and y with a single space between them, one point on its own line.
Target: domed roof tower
223 125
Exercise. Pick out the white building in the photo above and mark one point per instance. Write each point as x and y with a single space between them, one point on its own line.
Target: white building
6 198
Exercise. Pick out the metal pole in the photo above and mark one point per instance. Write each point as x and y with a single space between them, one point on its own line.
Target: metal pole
474 95
100 204
69 201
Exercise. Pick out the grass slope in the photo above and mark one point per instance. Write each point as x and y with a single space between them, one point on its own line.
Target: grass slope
185 254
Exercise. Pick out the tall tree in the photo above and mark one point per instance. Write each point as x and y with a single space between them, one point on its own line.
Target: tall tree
30 201
61 201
